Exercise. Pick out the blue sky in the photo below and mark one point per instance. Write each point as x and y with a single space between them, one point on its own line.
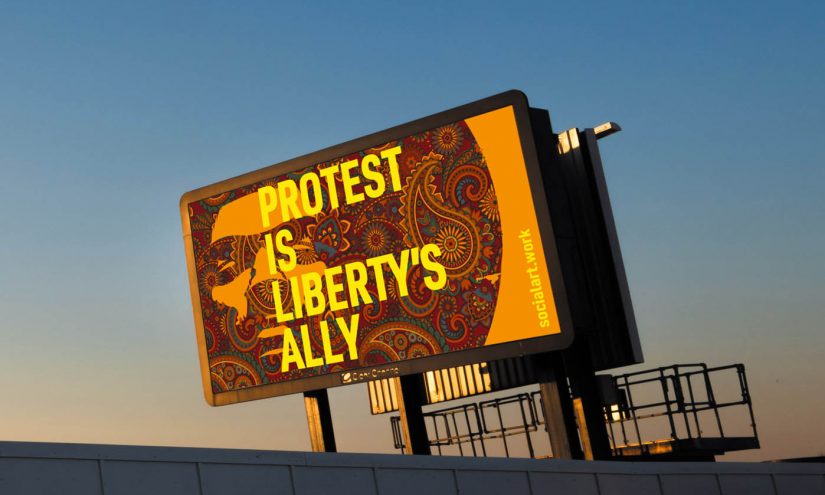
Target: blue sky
109 112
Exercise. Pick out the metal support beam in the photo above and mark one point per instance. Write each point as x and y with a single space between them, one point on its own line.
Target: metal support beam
319 421
553 417
556 406
587 403
411 398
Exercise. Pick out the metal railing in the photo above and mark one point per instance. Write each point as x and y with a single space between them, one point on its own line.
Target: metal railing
471 428
664 404
681 394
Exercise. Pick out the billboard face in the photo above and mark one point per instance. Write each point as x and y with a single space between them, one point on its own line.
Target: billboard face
422 246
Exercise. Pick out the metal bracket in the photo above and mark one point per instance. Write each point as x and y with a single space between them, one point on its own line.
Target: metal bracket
606 129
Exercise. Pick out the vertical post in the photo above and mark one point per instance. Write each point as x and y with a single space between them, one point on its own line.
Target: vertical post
587 402
581 419
411 398
319 420
556 407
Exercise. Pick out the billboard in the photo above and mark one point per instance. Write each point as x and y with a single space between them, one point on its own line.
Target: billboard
423 246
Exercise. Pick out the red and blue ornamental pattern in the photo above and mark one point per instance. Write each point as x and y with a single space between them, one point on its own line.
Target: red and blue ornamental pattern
447 199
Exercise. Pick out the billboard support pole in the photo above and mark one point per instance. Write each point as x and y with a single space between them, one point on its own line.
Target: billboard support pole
587 403
319 421
411 398
557 407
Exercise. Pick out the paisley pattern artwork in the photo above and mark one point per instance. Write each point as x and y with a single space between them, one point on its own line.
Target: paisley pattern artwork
447 199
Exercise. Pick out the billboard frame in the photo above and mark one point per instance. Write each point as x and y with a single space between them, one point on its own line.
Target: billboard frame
562 340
